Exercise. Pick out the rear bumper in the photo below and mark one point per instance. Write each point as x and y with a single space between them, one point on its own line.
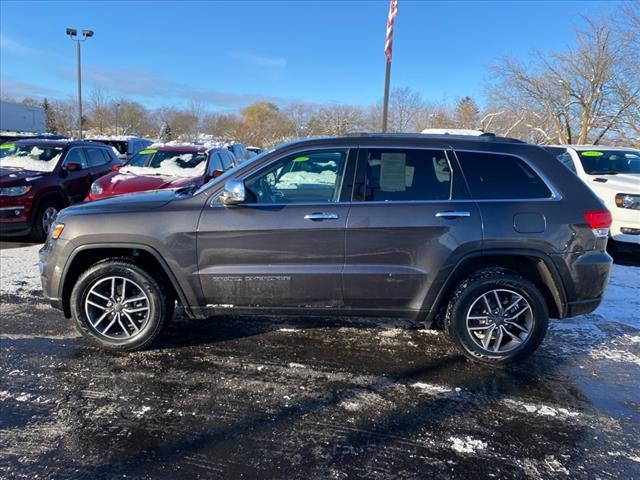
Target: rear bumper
586 276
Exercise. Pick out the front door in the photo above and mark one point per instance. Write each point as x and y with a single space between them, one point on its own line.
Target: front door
409 221
285 245
76 182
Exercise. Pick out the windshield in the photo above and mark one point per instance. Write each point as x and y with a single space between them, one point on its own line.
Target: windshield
602 162
163 162
29 157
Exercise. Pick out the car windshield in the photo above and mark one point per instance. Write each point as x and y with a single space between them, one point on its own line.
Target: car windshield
165 162
29 157
602 162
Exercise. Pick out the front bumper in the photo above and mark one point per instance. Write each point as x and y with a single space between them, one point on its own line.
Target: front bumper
626 225
51 264
14 229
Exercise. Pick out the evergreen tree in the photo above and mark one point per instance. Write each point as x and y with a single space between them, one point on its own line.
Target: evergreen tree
50 125
467 112
165 134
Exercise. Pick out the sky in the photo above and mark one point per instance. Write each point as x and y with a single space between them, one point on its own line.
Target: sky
226 55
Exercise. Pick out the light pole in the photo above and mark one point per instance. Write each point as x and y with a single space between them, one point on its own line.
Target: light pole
73 35
117 108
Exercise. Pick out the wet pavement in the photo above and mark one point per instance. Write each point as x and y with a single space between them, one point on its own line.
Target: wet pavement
315 398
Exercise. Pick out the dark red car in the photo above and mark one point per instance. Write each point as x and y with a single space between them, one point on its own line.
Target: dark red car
38 178
166 166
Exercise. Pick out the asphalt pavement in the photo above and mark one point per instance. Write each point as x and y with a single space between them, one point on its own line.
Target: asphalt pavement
313 398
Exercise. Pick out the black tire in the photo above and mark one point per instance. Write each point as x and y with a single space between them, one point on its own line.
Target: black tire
160 304
38 230
471 289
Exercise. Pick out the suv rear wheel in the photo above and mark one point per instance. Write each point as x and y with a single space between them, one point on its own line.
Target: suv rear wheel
119 306
496 317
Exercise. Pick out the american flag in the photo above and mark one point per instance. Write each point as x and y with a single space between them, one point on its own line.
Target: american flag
393 13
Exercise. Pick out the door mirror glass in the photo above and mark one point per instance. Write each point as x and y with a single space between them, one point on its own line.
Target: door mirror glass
233 192
73 167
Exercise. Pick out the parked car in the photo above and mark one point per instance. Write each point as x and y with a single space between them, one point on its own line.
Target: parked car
613 173
40 177
164 167
240 152
489 230
126 146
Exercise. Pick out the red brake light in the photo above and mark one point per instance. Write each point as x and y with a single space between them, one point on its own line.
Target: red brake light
598 219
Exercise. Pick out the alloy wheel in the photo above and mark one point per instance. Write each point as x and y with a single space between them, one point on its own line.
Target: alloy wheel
117 308
499 320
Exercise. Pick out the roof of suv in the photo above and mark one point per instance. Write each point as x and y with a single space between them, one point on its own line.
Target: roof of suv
59 143
582 148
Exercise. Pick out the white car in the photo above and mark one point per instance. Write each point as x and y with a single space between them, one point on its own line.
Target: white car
613 173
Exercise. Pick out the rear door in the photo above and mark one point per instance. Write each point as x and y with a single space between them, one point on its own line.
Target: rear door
284 247
99 162
410 221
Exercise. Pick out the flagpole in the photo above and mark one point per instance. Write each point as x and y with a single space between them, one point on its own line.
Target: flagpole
385 103
388 43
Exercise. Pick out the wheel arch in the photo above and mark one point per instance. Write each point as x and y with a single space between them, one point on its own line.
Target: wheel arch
533 265
143 255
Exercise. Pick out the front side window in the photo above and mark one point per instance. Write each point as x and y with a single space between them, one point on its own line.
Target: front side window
303 177
37 158
75 155
403 175
603 162
492 176
215 163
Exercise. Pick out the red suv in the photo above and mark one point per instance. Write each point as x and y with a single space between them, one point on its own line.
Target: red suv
38 178
164 166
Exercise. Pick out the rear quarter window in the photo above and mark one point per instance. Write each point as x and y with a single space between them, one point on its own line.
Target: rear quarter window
496 176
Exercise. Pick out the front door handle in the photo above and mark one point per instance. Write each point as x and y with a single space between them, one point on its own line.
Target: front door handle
320 216
453 214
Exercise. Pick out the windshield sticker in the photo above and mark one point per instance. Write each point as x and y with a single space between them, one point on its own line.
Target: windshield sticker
7 146
591 154
300 159
147 152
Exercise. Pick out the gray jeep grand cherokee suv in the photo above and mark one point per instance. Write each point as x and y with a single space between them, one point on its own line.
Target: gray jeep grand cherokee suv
489 235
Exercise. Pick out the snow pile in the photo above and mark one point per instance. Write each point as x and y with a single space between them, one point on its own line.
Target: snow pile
19 273
170 167
467 444
431 388
209 144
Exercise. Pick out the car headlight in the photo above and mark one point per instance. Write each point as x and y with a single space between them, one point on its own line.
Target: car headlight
628 200
15 191
96 189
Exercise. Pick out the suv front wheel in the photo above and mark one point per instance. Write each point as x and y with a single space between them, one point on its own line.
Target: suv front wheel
119 306
497 316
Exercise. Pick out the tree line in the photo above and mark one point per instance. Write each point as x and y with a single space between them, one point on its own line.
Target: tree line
587 93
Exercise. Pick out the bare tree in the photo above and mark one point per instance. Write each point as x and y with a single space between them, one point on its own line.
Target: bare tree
573 96
100 110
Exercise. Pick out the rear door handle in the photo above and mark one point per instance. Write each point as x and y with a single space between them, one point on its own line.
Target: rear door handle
453 214
321 216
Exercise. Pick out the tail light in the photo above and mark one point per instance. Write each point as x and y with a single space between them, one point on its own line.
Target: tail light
599 221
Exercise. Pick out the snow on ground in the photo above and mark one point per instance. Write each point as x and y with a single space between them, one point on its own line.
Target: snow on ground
19 273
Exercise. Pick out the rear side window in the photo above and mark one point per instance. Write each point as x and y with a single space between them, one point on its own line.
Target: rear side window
495 176
567 161
403 175
96 157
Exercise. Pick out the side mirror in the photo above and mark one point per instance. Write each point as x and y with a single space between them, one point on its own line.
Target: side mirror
116 168
233 193
73 167
216 173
